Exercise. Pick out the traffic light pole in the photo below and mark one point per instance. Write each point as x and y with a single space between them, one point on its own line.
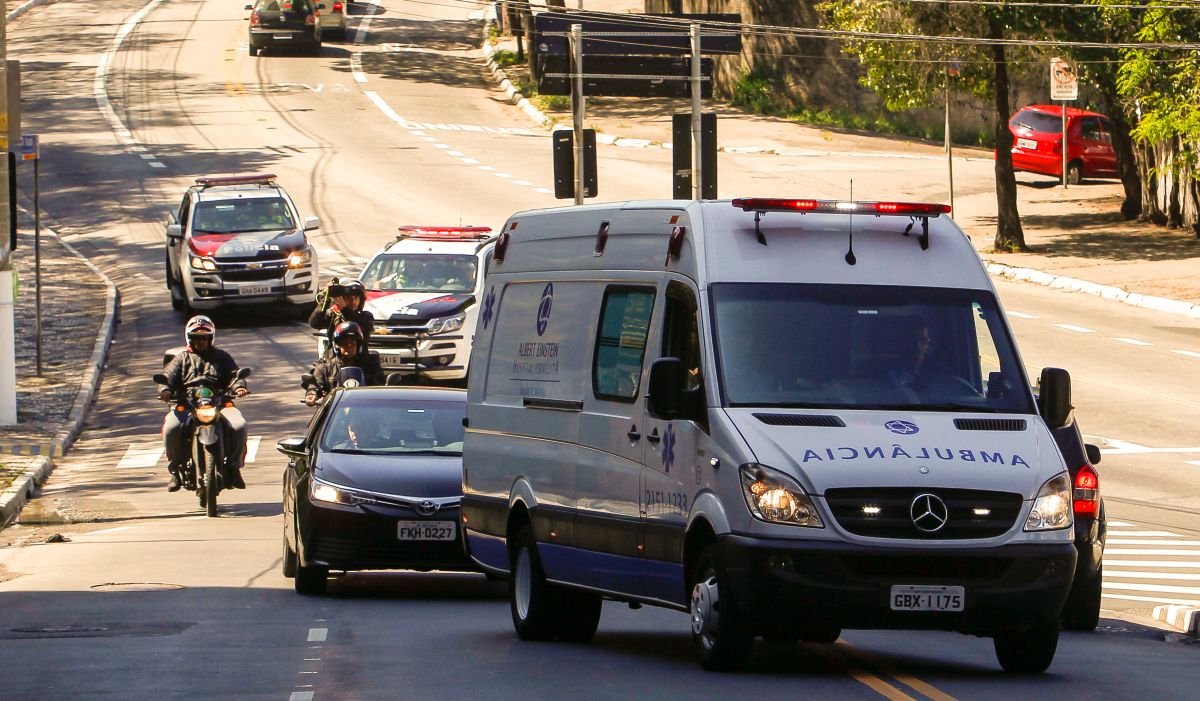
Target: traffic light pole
8 355
697 149
577 103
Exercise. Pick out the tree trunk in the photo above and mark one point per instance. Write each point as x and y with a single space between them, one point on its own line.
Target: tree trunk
1127 166
1009 235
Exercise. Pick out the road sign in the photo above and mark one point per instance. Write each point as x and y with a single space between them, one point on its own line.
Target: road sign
1064 81
626 76
637 34
29 147
563 141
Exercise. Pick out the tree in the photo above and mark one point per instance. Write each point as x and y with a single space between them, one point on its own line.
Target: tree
906 74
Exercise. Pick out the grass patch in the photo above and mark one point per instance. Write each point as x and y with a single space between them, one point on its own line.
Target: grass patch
543 102
505 58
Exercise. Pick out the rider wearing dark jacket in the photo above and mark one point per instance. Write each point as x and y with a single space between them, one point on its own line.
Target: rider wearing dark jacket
350 352
201 364
340 303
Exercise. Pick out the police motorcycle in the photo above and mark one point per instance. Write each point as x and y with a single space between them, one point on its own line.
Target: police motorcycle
206 470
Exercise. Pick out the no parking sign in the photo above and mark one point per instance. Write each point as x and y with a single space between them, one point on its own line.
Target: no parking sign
1064 81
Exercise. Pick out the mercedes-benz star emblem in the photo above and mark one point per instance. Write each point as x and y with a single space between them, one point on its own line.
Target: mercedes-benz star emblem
427 507
928 513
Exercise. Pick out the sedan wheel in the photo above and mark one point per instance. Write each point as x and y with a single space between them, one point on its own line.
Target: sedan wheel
311 580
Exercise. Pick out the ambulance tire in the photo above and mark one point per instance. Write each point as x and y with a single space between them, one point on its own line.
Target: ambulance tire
536 605
580 617
721 631
1027 651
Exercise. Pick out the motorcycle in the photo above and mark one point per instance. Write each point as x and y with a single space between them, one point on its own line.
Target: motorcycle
347 377
206 470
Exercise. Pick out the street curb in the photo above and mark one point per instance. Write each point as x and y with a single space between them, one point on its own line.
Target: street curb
24 487
1185 619
22 9
1070 284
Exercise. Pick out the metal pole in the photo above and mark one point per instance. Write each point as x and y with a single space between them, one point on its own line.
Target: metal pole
37 268
1064 143
697 150
949 146
577 103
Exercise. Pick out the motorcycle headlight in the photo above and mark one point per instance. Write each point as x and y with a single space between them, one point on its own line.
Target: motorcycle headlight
323 491
300 258
199 263
1052 507
447 324
206 414
776 498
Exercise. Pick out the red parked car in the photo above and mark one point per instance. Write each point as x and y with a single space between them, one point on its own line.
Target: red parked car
1037 143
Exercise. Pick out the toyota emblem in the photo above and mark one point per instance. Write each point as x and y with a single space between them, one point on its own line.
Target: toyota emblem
427 507
928 513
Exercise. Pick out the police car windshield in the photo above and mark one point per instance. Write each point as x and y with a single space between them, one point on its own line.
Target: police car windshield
390 426
241 215
866 347
421 272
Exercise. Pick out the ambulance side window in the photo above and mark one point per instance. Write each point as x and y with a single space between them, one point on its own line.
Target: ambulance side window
681 339
621 342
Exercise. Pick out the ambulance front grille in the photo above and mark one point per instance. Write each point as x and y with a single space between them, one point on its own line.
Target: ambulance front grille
886 512
990 424
801 420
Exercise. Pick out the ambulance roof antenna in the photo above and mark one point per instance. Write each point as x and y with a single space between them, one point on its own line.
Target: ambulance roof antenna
850 258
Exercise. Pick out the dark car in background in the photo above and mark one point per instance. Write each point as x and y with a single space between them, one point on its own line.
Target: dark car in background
1037 143
285 24
1082 610
375 484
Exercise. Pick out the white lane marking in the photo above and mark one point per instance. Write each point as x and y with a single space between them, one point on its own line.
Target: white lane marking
1130 574
544 191
1151 551
1155 599
356 64
1076 329
142 454
252 448
146 156
1119 447
1162 588
100 82
107 530
1132 341
317 635
522 182
456 154
156 164
1121 524
1147 534
430 139
1193 462
1147 541
1109 562
469 161
364 24
1190 354
301 696
1021 315
384 107
444 146
486 168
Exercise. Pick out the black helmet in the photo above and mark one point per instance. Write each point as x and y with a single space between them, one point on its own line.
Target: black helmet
354 288
347 330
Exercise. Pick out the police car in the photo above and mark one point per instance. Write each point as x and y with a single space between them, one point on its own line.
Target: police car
237 240
423 289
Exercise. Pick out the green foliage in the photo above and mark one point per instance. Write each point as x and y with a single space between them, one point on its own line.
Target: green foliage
756 92
505 58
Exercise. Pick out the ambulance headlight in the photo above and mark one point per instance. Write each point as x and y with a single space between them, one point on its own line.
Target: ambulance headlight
1052 507
447 324
776 498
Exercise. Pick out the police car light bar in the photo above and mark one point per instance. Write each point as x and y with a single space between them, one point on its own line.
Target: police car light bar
256 179
775 204
446 233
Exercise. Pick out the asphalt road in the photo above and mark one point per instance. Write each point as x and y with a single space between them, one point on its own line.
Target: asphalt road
398 125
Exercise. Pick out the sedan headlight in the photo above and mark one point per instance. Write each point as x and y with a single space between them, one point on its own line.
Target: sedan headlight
776 498
199 263
1052 507
206 414
447 324
300 258
323 491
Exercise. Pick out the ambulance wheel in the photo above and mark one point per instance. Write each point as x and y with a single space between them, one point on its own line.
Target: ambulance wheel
721 633
1027 651
537 607
580 616
1082 610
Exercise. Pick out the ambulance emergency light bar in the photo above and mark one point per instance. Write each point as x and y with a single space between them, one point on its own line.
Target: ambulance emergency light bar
255 179
775 204
445 233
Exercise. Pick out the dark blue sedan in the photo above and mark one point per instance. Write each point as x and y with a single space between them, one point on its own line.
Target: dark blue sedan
375 484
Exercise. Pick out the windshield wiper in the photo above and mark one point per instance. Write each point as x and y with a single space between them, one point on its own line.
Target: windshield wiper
348 451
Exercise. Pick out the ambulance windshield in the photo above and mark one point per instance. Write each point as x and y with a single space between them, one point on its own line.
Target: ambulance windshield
866 347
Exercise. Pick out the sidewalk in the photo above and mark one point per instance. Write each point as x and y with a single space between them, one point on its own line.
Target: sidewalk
1079 241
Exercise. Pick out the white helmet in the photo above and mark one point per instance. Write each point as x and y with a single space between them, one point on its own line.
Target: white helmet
200 326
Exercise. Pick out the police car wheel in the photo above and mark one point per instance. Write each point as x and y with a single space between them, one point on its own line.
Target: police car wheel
720 630
1082 610
1027 651
535 605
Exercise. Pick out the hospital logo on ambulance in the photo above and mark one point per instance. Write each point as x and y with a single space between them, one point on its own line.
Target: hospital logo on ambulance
904 428
668 453
543 312
489 304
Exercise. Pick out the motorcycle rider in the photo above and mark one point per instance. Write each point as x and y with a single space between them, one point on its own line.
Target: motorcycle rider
343 302
202 364
350 351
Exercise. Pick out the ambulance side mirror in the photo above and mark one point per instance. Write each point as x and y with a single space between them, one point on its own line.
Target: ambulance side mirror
666 380
1054 398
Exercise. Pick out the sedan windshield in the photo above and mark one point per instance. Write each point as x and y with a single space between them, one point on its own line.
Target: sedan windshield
866 347
421 273
241 215
383 425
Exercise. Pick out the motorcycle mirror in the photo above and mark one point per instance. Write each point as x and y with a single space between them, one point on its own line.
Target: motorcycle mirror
395 379
159 378
243 373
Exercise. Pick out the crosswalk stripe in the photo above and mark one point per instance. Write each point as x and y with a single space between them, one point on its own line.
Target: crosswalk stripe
1109 562
1142 574
1146 541
1137 586
142 454
1154 599
1151 551
252 448
1145 534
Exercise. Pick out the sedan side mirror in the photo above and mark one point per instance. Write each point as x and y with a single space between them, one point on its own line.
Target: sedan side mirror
249 7
1093 453
292 446
666 379
311 223
1054 399
174 231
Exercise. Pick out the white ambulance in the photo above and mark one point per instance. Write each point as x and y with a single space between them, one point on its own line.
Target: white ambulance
423 289
785 417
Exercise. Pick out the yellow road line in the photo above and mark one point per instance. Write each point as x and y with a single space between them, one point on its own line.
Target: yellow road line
862 676
908 680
